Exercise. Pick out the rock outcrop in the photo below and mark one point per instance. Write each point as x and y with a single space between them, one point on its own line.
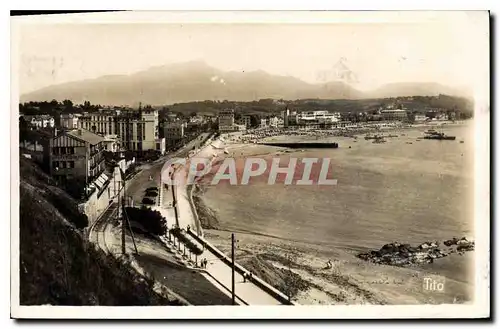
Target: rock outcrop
398 254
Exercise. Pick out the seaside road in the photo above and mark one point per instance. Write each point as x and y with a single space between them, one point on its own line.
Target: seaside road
186 215
246 291
140 182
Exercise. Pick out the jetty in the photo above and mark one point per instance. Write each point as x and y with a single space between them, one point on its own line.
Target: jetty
302 145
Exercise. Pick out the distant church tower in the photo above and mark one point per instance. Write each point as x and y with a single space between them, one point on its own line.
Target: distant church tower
286 114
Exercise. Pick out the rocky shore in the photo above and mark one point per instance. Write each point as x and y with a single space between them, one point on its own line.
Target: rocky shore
404 254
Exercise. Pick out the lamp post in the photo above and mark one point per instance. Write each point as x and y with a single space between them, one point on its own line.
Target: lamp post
232 269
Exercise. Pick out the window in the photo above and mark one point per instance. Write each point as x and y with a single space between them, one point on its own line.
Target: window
55 150
71 164
63 164
71 150
55 165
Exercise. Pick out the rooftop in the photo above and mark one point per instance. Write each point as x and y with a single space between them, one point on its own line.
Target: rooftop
86 136
38 117
392 110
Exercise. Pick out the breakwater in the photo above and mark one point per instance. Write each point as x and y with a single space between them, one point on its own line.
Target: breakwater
302 145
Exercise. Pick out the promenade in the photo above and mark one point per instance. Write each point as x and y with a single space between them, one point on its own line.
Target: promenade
217 270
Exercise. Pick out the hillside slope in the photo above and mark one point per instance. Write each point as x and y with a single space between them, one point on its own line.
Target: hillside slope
57 266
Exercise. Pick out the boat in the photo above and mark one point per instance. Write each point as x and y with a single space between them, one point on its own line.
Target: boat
431 132
440 136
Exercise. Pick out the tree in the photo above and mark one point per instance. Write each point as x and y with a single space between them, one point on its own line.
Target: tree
254 120
67 105
151 220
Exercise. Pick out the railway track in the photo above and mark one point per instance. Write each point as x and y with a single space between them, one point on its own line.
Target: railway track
97 231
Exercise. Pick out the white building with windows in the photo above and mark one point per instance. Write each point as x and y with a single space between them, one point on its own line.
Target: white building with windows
69 120
137 130
40 121
394 114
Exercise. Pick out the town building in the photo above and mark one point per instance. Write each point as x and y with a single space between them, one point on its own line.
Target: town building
246 120
174 133
40 121
317 117
69 120
137 130
289 118
394 114
111 143
76 157
310 118
420 118
197 120
226 122
273 122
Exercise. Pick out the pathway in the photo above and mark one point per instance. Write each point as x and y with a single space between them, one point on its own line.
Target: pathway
218 270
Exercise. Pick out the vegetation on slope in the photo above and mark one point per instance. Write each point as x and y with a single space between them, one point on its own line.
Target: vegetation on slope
57 265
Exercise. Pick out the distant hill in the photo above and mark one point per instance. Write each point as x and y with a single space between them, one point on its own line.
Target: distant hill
197 81
186 82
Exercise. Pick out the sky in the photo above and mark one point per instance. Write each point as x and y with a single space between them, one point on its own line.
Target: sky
449 48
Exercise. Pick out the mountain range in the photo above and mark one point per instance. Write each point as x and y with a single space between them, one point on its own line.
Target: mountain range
197 81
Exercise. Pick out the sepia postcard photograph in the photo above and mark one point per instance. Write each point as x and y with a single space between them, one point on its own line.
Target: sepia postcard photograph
299 165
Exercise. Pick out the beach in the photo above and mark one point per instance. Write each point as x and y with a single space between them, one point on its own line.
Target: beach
395 191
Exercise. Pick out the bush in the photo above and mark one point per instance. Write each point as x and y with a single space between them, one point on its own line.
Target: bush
151 220
148 201
151 194
191 245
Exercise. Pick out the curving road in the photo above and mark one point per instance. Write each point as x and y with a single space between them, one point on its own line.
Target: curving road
138 184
